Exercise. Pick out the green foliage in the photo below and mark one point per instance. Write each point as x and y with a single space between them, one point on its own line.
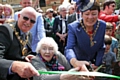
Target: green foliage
117 4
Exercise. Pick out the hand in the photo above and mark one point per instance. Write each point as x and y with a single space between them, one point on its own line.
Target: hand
24 69
29 57
82 64
69 76
65 35
74 77
94 67
62 37
74 69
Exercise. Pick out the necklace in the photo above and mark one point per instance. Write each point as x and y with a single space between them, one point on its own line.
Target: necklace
22 42
91 35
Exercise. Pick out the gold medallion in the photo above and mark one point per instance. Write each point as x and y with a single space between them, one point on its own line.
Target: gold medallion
24 51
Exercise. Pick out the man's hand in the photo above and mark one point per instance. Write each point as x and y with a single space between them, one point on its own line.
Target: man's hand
29 57
24 69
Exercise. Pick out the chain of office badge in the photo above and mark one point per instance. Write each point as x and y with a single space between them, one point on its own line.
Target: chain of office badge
91 35
20 40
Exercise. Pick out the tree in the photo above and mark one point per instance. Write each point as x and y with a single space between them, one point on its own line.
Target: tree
117 4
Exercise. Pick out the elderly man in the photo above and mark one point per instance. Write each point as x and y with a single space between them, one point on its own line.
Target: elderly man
13 63
38 31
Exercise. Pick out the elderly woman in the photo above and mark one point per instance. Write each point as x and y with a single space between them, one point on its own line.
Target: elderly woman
60 27
49 59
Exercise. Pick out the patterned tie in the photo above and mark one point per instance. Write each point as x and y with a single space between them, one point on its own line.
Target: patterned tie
23 36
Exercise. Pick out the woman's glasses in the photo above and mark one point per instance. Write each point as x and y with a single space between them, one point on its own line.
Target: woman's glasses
26 19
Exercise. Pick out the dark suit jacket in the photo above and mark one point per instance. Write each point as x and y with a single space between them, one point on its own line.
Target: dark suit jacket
72 18
10 50
57 26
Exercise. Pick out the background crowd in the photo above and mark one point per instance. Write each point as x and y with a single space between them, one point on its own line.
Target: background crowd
69 37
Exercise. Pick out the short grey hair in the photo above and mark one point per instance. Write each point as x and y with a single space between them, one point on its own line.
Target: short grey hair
61 7
47 40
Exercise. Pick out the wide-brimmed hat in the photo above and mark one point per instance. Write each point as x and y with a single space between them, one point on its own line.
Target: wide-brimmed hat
83 5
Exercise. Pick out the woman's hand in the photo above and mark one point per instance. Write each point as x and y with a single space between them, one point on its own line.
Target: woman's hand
94 67
82 64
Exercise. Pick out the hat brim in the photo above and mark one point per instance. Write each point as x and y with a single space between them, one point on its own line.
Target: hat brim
86 7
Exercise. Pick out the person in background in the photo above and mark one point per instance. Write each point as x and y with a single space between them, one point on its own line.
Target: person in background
39 10
48 58
55 13
116 69
85 41
119 12
1 14
8 11
108 60
60 28
71 9
23 3
106 13
48 22
76 15
13 59
117 36
109 57
38 31
114 44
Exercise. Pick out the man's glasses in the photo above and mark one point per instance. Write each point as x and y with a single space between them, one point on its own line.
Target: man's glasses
26 19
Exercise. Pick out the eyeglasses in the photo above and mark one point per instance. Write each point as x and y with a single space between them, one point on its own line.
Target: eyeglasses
73 9
26 19
113 5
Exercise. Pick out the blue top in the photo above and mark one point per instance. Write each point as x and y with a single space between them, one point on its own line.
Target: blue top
78 43
114 44
38 31
109 58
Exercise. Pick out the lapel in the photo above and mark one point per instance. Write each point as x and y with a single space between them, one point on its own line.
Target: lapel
60 22
18 30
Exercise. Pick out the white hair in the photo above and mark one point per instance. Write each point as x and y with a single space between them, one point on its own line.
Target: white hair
47 40
61 7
